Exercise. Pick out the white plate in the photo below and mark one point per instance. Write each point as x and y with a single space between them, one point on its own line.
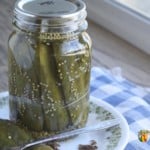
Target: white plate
114 138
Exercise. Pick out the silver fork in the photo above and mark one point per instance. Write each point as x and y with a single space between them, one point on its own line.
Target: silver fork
102 125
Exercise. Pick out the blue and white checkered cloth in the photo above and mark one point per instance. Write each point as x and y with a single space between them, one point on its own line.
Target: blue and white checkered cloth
131 100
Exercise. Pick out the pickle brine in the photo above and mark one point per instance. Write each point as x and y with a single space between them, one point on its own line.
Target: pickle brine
49 54
49 82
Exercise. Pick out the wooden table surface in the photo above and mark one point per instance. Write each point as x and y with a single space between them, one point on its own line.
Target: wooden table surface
108 50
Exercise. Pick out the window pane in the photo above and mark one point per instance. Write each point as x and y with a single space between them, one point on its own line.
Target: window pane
140 6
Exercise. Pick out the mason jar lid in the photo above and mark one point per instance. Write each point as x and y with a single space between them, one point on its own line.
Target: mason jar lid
50 15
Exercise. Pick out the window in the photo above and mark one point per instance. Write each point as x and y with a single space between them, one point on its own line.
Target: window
129 19
142 7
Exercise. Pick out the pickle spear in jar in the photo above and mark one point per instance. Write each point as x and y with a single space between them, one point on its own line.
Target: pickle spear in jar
24 89
72 79
56 118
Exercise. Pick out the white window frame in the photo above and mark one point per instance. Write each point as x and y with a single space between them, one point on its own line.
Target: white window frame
122 21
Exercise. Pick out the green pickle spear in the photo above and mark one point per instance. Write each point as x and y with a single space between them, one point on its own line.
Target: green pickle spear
55 117
25 98
84 65
75 88
12 135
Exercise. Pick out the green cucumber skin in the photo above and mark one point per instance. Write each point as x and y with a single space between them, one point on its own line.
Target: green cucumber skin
48 83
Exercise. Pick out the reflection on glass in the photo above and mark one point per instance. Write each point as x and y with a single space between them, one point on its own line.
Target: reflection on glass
140 6
4 109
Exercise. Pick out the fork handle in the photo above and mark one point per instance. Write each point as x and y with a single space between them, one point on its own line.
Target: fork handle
102 125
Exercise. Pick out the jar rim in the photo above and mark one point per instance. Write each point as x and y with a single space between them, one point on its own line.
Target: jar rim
46 15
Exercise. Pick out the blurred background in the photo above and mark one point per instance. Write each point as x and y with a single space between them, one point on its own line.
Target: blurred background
6 7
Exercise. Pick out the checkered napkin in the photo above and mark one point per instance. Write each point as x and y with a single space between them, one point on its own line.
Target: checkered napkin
131 100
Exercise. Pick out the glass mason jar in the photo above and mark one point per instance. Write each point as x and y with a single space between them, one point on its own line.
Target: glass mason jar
49 65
